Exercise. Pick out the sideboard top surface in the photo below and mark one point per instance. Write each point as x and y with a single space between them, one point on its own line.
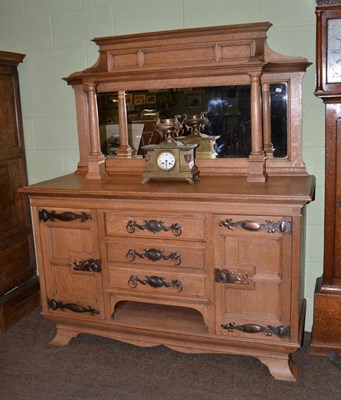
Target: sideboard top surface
209 188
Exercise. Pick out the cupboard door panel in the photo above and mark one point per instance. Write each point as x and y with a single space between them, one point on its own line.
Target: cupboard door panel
65 244
262 257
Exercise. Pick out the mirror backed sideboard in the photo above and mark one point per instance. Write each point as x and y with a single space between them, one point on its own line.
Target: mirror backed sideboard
213 266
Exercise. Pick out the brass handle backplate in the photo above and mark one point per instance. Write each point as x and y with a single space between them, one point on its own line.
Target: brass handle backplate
154 226
154 255
155 282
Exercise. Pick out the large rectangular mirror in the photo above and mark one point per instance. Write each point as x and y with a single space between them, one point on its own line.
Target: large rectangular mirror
221 115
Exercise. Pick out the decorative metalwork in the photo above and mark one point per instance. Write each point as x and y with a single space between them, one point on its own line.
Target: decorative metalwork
55 305
154 226
90 265
226 276
155 282
280 331
66 216
280 226
154 255
188 158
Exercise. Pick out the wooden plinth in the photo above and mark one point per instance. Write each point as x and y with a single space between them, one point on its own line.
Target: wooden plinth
18 302
326 334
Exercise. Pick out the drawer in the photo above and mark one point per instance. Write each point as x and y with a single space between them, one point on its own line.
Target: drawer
151 281
155 225
158 253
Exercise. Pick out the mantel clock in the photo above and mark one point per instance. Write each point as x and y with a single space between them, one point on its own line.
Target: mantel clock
171 160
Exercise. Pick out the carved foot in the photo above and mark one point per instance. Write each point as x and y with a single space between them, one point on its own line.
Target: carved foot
282 369
63 336
145 180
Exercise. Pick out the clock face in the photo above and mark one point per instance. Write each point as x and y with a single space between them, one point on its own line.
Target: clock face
166 161
334 51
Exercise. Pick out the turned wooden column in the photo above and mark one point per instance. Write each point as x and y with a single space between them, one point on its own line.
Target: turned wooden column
266 101
96 159
82 128
124 150
256 158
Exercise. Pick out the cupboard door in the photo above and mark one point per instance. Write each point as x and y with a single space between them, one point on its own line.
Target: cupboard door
71 263
252 276
16 244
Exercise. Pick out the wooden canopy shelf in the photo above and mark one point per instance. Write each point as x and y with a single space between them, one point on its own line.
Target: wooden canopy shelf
200 57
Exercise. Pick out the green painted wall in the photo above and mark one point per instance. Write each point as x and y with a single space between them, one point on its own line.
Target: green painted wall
56 37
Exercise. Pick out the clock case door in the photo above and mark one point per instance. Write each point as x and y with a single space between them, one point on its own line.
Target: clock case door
326 333
326 37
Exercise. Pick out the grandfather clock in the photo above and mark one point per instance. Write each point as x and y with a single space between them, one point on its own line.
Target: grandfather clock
326 336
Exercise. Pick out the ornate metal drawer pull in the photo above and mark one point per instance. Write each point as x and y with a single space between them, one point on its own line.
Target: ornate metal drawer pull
154 255
280 331
280 226
89 265
45 216
226 276
154 226
155 282
55 304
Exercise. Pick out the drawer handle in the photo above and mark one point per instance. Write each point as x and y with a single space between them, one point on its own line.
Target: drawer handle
154 226
280 226
55 305
154 255
226 276
280 331
155 282
66 216
88 265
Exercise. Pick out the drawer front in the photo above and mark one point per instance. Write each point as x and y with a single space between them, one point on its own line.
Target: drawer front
167 284
157 225
158 253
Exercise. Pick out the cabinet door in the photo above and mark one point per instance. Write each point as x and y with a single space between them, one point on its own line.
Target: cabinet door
71 266
252 275
16 243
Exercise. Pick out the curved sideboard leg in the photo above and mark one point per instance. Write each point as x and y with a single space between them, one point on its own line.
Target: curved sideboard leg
282 369
63 336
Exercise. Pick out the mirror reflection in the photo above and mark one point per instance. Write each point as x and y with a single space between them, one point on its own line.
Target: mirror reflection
217 118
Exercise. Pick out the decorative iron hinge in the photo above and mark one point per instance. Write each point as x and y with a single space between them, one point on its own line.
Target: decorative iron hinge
280 226
55 305
66 216
280 331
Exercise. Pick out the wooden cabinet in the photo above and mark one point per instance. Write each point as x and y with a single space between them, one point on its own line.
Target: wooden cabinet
213 266
19 287
220 275
326 334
